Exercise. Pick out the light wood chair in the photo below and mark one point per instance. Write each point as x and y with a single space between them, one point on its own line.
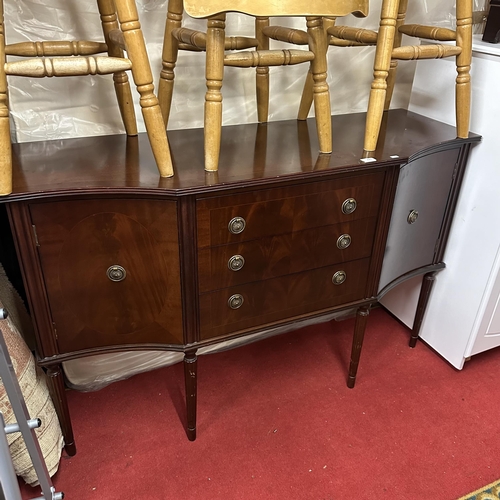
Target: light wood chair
215 43
122 32
178 38
389 51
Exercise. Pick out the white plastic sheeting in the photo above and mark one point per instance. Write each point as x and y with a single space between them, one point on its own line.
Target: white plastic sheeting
56 108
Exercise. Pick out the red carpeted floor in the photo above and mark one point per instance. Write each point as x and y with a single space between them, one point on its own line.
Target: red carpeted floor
276 421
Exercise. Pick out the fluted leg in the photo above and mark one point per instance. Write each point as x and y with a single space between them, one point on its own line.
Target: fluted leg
5 147
57 391
463 87
321 93
190 379
169 58
143 79
213 97
357 343
262 72
109 23
382 64
423 299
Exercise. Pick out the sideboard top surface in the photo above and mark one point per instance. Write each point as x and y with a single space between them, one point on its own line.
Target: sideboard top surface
251 154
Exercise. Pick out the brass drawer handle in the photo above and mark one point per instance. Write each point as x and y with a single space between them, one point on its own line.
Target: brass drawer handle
412 217
339 277
344 241
116 273
236 225
235 301
349 206
236 262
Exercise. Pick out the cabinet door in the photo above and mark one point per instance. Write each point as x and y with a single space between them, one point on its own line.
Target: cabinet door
417 216
111 270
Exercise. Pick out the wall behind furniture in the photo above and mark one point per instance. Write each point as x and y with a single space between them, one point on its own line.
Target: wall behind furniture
54 108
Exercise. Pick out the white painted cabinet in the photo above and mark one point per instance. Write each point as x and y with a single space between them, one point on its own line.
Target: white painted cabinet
463 314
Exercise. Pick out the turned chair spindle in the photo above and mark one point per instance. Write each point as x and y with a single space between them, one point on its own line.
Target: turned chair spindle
389 51
215 43
122 33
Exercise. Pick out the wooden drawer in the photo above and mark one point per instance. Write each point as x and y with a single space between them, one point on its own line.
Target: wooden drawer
284 254
270 212
279 298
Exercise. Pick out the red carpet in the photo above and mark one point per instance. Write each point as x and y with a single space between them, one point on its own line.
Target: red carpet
276 421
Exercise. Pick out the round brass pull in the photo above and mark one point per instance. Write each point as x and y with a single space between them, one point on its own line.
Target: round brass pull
116 273
235 301
339 277
349 206
236 262
412 217
343 241
236 225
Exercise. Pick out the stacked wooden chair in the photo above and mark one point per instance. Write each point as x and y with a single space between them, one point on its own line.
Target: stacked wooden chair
214 42
122 32
389 51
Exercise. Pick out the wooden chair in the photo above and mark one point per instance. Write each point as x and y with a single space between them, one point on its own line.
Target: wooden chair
389 51
122 32
178 38
214 42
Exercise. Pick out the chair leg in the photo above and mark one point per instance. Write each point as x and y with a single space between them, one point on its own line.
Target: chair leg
463 86
143 79
213 98
306 99
169 57
391 78
5 146
122 86
382 64
262 72
321 93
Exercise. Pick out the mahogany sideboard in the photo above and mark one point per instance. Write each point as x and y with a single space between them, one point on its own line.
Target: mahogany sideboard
113 257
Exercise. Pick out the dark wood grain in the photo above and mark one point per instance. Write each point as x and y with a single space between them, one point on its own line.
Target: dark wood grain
284 254
80 240
269 212
82 205
281 298
250 154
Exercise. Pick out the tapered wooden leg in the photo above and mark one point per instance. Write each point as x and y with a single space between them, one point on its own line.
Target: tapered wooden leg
463 86
262 72
169 58
423 299
357 343
213 97
190 374
385 42
55 383
143 78
5 146
109 23
321 93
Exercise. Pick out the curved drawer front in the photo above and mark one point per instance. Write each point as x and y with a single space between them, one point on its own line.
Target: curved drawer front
238 263
270 212
241 307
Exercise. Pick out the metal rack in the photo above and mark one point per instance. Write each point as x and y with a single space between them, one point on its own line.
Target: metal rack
9 486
